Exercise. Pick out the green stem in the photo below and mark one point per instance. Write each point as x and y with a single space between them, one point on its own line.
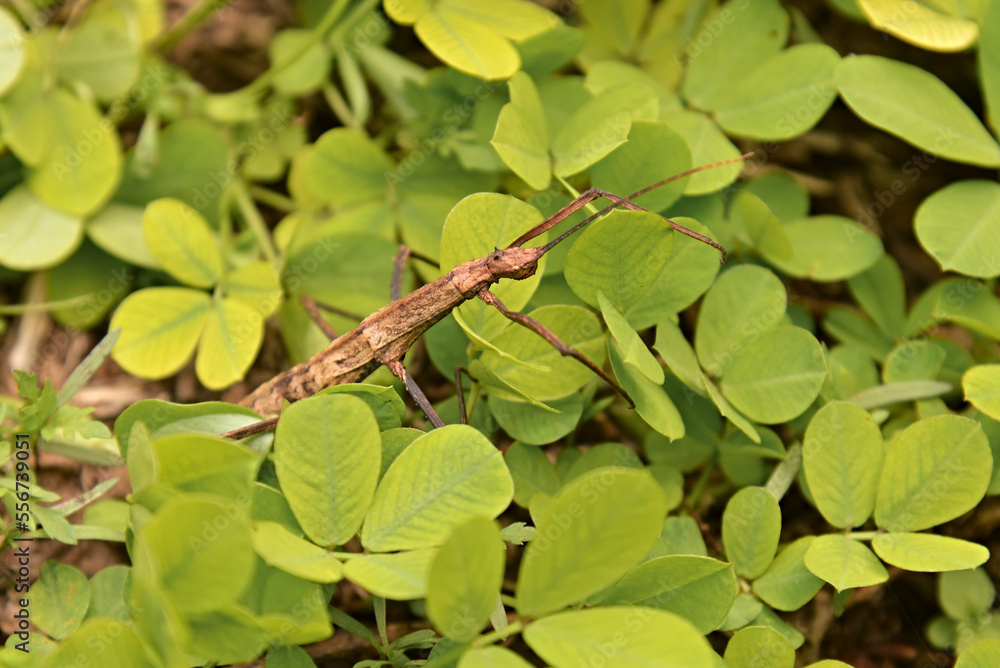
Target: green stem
572 191
493 636
340 107
273 199
862 535
699 487
175 33
254 220
259 84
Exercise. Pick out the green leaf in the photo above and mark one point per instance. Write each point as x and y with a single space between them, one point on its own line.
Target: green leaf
401 576
928 553
728 412
492 657
59 599
84 164
757 646
536 426
881 293
707 144
787 584
256 285
651 401
35 235
989 61
894 393
280 548
959 225
913 360
532 472
768 235
735 41
852 328
163 418
192 463
652 153
844 563
107 593
777 376
744 302
936 470
465 579
882 91
521 137
160 329
965 594
842 457
921 25
700 589
477 226
199 551
347 168
828 248
751 526
982 388
968 303
576 326
12 55
678 354
327 453
600 126
229 343
634 351
595 529
621 255
744 611
309 71
784 97
614 455
466 44
442 480
388 408
655 637
679 535
981 654
90 645
288 656
182 243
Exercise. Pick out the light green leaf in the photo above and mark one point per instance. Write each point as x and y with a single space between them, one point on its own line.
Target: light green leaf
90 645
707 144
12 54
576 326
288 656
842 458
532 472
759 646
844 563
894 393
595 529
968 303
117 229
777 376
256 285
656 638
621 255
492 657
989 61
935 470
327 453
465 579
652 153
787 584
200 569
981 654
651 401
477 226
784 97
751 526
600 126
733 42
621 21
744 302
700 589
401 576
537 426
881 293
26 110
913 360
160 329
926 552
678 354
308 71
83 166
521 137
280 548
982 388
182 243
766 232
466 44
959 225
347 168
192 463
635 352
728 411
920 25
882 91
828 248
443 479
965 594
59 599
34 235
229 343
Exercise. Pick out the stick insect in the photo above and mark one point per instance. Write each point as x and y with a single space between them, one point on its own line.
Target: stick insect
385 336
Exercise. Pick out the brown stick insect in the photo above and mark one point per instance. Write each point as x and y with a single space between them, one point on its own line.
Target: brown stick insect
385 336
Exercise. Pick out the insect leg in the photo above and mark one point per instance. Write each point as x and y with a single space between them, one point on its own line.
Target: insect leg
398 370
548 335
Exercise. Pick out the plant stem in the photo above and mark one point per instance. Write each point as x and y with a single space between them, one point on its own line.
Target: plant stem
340 107
175 33
488 639
699 487
254 220
572 191
273 199
861 535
